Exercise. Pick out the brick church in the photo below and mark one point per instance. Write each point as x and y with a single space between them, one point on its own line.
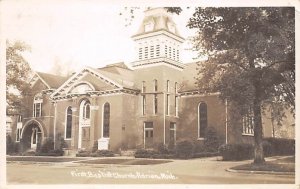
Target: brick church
154 101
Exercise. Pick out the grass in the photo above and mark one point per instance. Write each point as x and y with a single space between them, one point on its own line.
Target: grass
125 161
42 159
280 165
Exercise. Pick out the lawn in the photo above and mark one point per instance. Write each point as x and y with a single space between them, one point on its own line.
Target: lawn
42 159
280 165
125 161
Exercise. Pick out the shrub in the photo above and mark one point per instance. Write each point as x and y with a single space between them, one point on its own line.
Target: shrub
236 152
143 153
47 146
56 152
83 153
281 146
205 154
268 149
184 149
102 153
211 141
162 149
9 144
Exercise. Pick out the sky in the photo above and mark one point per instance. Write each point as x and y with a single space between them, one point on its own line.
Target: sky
68 36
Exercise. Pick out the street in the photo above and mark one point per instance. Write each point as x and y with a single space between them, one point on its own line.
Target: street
195 171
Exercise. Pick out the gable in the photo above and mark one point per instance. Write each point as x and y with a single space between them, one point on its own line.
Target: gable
87 75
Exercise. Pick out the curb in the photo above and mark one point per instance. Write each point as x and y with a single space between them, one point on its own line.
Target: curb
260 172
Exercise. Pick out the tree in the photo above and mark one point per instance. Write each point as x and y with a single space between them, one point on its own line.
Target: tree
17 76
251 58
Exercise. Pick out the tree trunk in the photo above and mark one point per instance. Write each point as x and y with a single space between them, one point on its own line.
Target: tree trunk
258 133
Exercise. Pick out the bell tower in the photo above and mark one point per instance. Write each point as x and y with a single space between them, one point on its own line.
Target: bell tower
157 40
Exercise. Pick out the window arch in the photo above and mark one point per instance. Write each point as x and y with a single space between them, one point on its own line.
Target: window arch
68 129
106 120
82 87
202 119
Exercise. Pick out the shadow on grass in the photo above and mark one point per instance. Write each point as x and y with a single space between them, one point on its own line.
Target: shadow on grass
279 165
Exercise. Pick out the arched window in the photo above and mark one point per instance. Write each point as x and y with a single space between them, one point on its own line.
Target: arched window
86 110
68 131
202 119
37 105
106 119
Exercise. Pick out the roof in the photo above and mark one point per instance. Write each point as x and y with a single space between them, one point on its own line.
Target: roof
120 75
160 18
189 77
54 81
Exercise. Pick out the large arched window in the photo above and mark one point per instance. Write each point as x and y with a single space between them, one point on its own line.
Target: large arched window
68 131
106 119
202 119
86 110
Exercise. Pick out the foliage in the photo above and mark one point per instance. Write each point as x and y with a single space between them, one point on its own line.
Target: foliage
144 153
281 146
251 58
47 146
12 147
17 76
184 149
236 152
211 141
103 153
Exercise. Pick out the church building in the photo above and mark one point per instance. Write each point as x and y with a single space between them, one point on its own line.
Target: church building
155 101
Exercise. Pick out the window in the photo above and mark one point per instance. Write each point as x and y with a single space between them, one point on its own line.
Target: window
157 50
86 110
202 117
140 53
37 105
106 119
166 50
18 134
173 53
155 103
148 129
177 54
248 123
170 52
146 52
143 104
68 131
155 85
176 105
19 118
168 86
151 51
168 104
172 133
175 88
143 87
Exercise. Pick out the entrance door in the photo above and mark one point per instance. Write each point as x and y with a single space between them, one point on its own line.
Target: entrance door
35 137
148 134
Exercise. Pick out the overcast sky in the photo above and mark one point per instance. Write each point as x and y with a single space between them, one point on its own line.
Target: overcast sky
66 36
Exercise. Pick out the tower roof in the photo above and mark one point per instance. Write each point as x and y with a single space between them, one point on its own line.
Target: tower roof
159 19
